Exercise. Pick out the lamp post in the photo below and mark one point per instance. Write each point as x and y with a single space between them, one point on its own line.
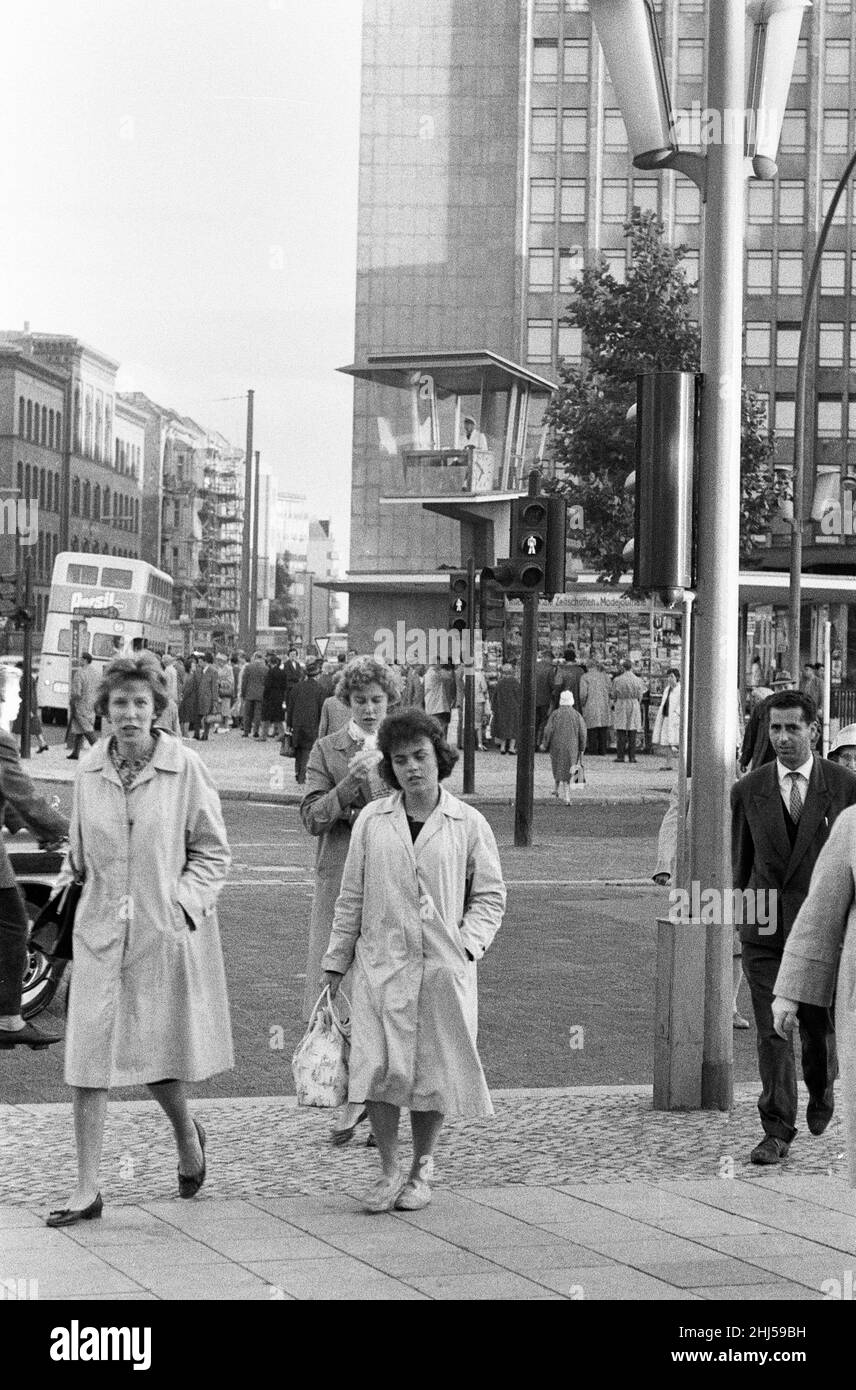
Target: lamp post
627 31
808 340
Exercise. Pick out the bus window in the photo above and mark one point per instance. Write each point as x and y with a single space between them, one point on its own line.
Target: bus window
64 641
82 574
105 646
117 579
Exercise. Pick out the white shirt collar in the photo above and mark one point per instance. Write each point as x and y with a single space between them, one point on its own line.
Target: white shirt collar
785 772
359 735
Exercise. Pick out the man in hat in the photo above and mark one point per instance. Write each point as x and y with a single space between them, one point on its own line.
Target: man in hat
303 715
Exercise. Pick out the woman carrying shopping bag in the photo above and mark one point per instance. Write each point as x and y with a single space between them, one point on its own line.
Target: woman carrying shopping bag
565 741
422 898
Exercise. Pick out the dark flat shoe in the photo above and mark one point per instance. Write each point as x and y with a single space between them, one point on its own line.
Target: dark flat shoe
69 1216
189 1186
28 1036
338 1137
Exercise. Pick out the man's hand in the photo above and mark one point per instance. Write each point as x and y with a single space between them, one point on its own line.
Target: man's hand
331 979
784 1016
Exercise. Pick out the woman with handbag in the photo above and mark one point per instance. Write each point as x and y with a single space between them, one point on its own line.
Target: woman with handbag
341 778
422 898
148 1003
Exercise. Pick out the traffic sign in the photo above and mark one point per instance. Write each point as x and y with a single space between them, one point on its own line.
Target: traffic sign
321 643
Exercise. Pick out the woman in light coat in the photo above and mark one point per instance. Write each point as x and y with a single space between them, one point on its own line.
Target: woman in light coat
148 1003
667 725
565 740
341 778
594 706
820 947
422 899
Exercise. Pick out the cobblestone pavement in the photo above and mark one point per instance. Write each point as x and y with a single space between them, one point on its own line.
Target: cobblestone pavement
267 1146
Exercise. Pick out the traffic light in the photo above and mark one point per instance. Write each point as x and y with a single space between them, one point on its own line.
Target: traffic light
22 617
491 603
666 421
529 527
460 617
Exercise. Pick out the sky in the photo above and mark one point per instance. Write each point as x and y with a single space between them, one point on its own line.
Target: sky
180 185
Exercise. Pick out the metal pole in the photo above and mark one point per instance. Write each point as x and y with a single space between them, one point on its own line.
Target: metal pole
714 686
808 338
243 597
526 742
827 684
254 582
27 677
469 710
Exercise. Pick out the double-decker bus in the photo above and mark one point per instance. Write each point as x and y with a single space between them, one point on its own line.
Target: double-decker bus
122 606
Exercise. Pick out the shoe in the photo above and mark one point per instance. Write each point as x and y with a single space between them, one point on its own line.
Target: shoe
417 1193
43 750
69 1216
371 1142
817 1116
770 1150
384 1194
356 1114
72 757
28 1036
618 760
188 1186
738 1021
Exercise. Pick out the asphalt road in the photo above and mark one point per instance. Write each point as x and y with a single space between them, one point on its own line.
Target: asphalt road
565 994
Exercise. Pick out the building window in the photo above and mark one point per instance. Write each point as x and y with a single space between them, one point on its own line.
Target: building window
831 345
829 417
832 272
50 429
540 272
759 272
96 502
783 419
791 201
20 478
614 200
545 60
29 419
573 200
758 344
790 272
687 202
22 416
41 473
851 416
614 131
571 265
616 264
646 195
828 193
689 265
787 344
793 133
759 203
58 429
836 60
801 62
107 504
542 209
44 424
690 60
539 340
574 129
570 342
75 500
836 131
576 60
543 129
87 493
27 481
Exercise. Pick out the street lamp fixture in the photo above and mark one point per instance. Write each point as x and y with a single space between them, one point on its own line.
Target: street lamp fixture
630 39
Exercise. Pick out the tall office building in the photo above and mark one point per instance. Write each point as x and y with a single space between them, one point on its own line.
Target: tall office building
494 166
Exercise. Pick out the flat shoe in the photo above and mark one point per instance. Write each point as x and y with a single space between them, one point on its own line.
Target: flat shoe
188 1186
417 1192
338 1137
737 1021
28 1036
69 1216
384 1194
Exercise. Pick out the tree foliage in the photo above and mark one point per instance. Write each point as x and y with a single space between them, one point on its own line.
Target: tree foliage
642 325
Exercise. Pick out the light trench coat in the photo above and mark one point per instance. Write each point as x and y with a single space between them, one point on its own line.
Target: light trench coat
821 944
667 728
148 995
406 916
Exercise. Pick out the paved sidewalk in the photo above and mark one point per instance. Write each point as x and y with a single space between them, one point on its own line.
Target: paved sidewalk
252 769
566 1194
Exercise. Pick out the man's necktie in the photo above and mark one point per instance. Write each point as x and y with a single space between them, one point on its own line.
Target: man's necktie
796 797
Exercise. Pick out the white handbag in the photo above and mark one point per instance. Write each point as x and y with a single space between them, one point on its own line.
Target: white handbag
320 1062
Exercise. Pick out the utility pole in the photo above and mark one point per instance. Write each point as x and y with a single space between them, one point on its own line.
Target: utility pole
243 597
523 804
27 677
469 711
254 582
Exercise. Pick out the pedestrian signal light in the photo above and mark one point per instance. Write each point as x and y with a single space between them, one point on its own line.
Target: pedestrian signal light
492 597
529 542
459 614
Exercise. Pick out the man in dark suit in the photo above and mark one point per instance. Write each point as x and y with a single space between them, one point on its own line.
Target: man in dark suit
303 715
781 818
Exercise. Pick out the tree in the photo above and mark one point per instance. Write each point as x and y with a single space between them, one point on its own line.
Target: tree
642 325
283 612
